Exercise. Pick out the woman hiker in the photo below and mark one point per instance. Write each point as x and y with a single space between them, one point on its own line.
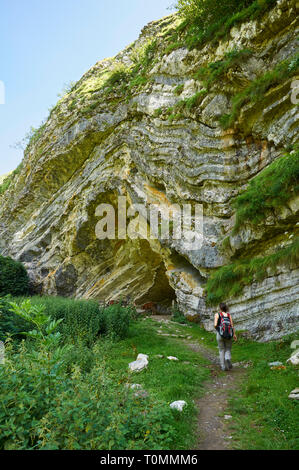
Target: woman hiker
224 326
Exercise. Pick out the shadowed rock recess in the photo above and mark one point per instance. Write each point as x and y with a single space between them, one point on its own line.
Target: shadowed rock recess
119 134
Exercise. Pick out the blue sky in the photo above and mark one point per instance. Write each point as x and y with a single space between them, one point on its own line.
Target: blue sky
45 44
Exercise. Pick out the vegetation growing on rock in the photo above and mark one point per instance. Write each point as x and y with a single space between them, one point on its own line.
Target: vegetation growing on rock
14 279
9 179
229 281
270 189
210 20
257 89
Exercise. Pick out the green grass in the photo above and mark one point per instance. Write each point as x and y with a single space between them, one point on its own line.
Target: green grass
84 321
263 415
260 408
215 70
271 188
164 379
125 79
10 179
229 281
178 89
211 20
257 89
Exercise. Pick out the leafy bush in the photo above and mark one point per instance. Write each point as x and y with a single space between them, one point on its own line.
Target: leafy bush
204 12
14 279
44 407
83 320
229 281
178 317
10 323
271 188
116 321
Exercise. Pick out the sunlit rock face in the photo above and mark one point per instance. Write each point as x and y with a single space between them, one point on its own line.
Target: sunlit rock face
98 146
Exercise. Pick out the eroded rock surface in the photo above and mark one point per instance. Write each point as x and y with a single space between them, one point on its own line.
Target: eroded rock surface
96 147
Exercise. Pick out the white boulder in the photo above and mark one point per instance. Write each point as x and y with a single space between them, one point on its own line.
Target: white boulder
140 363
178 405
294 394
294 359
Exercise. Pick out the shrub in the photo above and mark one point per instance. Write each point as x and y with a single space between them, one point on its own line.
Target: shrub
204 12
178 317
14 279
205 20
83 320
116 321
10 323
44 407
119 76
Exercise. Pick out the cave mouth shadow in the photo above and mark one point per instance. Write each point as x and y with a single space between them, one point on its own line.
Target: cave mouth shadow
161 296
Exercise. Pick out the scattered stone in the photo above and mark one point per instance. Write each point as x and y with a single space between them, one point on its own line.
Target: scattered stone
294 359
141 394
172 358
294 394
277 363
140 363
178 405
227 417
159 356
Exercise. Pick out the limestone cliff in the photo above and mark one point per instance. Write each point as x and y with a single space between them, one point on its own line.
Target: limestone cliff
146 125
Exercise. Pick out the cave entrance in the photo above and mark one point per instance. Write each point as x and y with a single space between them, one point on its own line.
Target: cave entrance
160 296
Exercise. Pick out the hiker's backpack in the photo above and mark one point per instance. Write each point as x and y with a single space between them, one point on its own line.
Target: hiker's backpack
225 326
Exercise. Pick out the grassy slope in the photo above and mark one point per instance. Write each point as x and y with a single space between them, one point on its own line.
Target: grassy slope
263 415
163 379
